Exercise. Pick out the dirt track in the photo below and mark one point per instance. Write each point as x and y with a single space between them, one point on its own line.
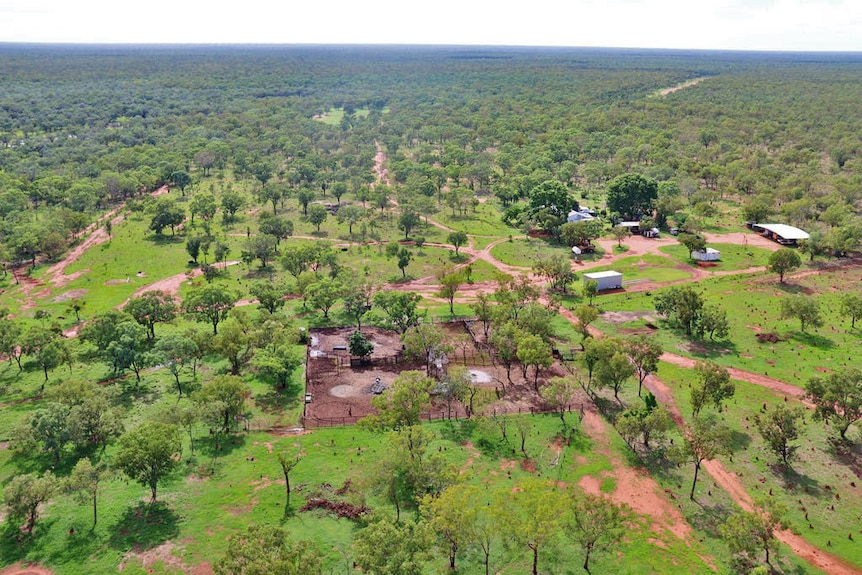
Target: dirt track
26 569
731 484
95 235
636 489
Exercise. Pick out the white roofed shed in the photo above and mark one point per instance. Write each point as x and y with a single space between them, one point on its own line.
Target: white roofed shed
605 280
707 255
781 233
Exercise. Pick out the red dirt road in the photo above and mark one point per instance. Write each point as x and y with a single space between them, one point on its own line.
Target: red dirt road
636 489
96 234
742 375
730 483
26 569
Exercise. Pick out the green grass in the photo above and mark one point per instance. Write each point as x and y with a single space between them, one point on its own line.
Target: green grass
733 256
646 268
804 485
482 271
209 499
481 242
334 116
713 505
523 252
484 220
795 359
245 489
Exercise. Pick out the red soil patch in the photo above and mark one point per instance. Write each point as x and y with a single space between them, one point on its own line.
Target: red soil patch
242 509
591 485
730 483
171 285
71 294
633 487
617 317
26 569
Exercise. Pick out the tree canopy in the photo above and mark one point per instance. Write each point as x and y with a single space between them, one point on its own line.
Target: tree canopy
632 195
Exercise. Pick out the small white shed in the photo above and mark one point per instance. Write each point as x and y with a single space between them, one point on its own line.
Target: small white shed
606 280
707 255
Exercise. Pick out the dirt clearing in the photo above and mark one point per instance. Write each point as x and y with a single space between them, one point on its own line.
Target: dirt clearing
26 569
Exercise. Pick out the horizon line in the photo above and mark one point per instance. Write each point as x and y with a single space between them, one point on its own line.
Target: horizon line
10 43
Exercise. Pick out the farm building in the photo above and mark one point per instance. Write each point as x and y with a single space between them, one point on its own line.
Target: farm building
635 229
781 233
581 215
707 255
606 280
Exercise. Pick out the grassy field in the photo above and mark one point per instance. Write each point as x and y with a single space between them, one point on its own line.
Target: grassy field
524 251
733 256
646 268
246 487
796 358
822 502
484 220
712 505
215 495
334 116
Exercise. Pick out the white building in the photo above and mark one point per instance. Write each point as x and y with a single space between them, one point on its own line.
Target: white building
781 233
707 255
605 280
580 215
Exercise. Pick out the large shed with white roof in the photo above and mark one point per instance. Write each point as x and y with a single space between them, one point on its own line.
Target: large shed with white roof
605 280
781 233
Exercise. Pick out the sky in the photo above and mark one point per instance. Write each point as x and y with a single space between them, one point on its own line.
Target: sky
786 25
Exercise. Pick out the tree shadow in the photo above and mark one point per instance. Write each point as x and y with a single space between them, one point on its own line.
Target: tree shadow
655 459
847 453
77 547
716 349
610 408
580 441
278 401
460 431
133 393
740 441
15 545
795 482
813 339
40 462
401 279
10 374
227 445
144 526
791 288
709 518
493 447
164 240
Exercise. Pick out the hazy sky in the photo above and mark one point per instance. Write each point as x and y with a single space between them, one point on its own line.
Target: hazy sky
708 24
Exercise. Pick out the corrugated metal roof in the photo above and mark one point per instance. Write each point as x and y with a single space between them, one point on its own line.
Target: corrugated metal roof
785 231
599 275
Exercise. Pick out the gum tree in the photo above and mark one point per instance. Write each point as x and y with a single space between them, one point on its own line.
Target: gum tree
837 398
